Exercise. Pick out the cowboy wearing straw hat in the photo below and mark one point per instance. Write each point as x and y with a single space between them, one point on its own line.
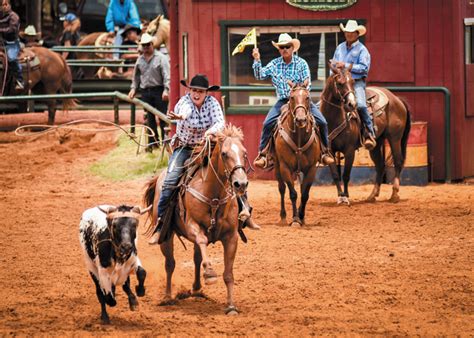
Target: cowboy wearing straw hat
288 67
354 56
30 37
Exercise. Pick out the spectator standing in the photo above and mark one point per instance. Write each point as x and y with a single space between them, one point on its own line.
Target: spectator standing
151 77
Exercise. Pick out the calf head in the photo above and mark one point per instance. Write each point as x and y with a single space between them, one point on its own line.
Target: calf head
122 222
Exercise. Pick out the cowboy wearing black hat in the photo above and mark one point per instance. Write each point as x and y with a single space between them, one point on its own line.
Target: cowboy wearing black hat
198 115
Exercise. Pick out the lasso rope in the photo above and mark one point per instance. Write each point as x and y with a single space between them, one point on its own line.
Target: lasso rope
69 126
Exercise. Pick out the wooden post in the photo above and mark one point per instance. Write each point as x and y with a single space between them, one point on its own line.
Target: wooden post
116 110
132 117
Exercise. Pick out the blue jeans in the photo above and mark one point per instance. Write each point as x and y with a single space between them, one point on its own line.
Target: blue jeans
13 49
274 113
118 42
173 174
359 88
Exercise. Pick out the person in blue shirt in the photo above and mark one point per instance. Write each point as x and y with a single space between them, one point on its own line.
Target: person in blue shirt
119 14
355 57
287 67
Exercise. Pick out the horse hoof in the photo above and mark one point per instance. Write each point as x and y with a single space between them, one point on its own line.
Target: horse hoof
371 199
282 222
140 291
394 199
339 200
133 307
210 280
231 311
183 294
345 201
198 294
168 301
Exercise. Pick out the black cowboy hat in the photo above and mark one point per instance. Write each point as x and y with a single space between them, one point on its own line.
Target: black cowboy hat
129 27
200 81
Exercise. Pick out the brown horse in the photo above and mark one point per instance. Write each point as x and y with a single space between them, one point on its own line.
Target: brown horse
210 210
297 150
392 123
52 76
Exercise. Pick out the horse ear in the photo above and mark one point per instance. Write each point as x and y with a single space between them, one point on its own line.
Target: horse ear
306 83
333 67
290 83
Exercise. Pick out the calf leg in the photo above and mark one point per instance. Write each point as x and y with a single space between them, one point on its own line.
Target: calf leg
100 296
141 275
132 300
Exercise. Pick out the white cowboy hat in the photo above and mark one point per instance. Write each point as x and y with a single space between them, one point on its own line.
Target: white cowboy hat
352 26
30 31
285 39
146 38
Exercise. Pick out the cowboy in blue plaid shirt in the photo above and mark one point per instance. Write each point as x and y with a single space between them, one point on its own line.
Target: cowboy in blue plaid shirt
288 67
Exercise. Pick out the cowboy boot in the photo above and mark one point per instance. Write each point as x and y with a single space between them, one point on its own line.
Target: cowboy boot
326 157
156 234
369 142
245 216
261 161
249 223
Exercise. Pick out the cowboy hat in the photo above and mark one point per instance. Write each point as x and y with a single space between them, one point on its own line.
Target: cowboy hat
69 17
128 28
30 31
146 38
286 39
200 81
352 26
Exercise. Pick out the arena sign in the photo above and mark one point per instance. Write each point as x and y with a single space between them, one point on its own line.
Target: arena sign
321 5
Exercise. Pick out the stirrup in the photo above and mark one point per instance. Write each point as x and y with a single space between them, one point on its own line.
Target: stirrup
370 143
261 161
327 159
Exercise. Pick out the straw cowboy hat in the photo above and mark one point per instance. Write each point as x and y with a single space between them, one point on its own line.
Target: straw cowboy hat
286 39
352 26
200 81
146 38
30 31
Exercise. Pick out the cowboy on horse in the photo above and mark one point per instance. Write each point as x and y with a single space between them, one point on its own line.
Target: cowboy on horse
9 29
355 57
287 68
198 116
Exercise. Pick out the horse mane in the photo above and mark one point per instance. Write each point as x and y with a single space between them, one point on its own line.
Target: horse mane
230 131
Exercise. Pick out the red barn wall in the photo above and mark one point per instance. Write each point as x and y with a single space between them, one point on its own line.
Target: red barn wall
412 42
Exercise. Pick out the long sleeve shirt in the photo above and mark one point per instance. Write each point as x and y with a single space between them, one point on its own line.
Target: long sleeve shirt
297 71
357 55
120 15
196 122
9 26
152 73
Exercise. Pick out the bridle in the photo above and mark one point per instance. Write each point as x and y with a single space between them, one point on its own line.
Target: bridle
299 106
340 96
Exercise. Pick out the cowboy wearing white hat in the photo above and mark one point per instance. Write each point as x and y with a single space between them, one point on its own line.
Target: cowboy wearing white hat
30 37
288 67
355 57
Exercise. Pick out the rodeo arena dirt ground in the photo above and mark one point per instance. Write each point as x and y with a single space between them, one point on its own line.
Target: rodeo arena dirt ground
368 269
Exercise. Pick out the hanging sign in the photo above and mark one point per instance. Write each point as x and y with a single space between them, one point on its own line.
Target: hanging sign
321 5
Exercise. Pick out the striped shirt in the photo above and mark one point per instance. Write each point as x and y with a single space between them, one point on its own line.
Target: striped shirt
296 71
196 122
152 73
357 55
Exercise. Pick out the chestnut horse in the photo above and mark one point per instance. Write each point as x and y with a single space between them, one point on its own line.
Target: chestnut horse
210 210
392 123
52 76
297 150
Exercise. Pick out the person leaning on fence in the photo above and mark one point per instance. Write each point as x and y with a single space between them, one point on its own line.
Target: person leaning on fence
71 35
198 116
288 67
119 14
9 29
151 77
355 57
30 38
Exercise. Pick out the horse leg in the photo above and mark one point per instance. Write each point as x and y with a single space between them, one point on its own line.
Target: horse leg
167 249
197 270
348 162
287 176
281 189
396 147
200 239
51 111
379 161
336 177
305 188
230 248
132 299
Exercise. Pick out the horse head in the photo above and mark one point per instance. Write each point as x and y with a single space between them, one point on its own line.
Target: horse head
343 87
299 103
159 28
233 156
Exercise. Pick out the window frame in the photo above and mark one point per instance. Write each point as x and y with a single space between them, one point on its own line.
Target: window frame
226 50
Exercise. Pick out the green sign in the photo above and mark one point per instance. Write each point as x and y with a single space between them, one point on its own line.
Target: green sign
321 5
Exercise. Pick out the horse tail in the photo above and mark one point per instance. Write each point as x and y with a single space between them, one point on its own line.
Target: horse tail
406 131
66 87
148 199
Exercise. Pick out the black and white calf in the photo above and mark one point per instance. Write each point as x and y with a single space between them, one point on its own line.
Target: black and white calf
108 239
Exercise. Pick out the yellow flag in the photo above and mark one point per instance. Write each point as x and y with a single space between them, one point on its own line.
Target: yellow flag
250 39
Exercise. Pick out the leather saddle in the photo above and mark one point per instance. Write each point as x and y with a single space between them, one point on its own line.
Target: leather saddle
104 39
29 59
377 100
